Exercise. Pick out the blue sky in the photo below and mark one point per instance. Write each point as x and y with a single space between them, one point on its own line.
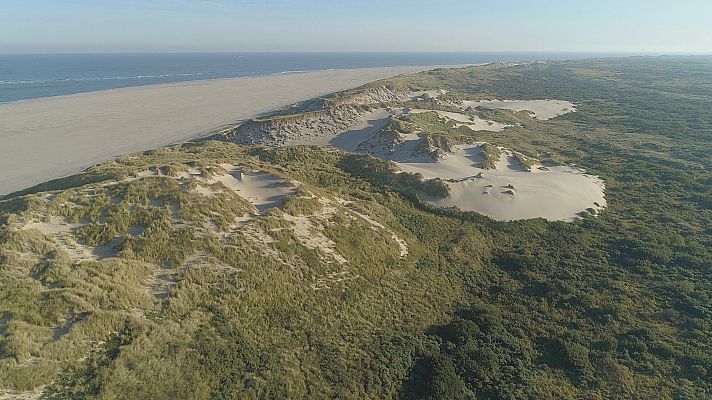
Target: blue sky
652 26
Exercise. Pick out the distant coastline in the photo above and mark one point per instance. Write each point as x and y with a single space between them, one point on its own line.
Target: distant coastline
32 76
48 138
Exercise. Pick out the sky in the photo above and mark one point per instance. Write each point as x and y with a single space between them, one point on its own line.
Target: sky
640 26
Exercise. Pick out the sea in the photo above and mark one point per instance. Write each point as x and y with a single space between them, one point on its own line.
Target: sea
31 76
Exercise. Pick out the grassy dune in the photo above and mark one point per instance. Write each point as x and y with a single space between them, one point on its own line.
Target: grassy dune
122 283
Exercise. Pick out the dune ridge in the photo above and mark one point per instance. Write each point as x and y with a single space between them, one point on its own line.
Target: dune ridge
48 138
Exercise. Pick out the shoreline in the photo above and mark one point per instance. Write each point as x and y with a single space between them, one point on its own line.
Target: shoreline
53 137
274 74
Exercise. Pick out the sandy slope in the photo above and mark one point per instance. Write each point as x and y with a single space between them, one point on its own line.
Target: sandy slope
261 189
509 192
542 109
48 138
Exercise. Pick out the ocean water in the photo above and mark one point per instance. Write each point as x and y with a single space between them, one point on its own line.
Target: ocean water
29 76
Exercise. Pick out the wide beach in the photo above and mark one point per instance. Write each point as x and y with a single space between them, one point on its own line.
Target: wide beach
49 138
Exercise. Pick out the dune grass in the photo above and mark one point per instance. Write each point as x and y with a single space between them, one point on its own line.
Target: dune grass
614 306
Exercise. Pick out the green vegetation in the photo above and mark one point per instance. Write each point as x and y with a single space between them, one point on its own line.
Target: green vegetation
388 175
432 123
490 156
181 301
526 162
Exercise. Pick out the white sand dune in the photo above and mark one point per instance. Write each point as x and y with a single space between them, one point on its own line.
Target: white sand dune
556 195
350 139
508 192
262 189
48 138
542 109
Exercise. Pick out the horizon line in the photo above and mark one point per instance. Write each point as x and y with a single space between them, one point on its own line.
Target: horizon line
623 52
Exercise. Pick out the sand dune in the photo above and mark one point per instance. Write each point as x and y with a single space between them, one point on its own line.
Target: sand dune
471 121
49 138
542 109
516 188
509 192
261 189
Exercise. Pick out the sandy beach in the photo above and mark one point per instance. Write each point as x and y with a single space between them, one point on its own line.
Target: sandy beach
48 138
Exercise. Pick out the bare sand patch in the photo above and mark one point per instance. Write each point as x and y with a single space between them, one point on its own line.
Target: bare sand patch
205 190
350 138
458 164
312 238
541 109
55 226
62 233
136 230
262 189
509 192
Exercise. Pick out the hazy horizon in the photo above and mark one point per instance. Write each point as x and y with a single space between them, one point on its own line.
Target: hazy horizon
179 26
532 52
